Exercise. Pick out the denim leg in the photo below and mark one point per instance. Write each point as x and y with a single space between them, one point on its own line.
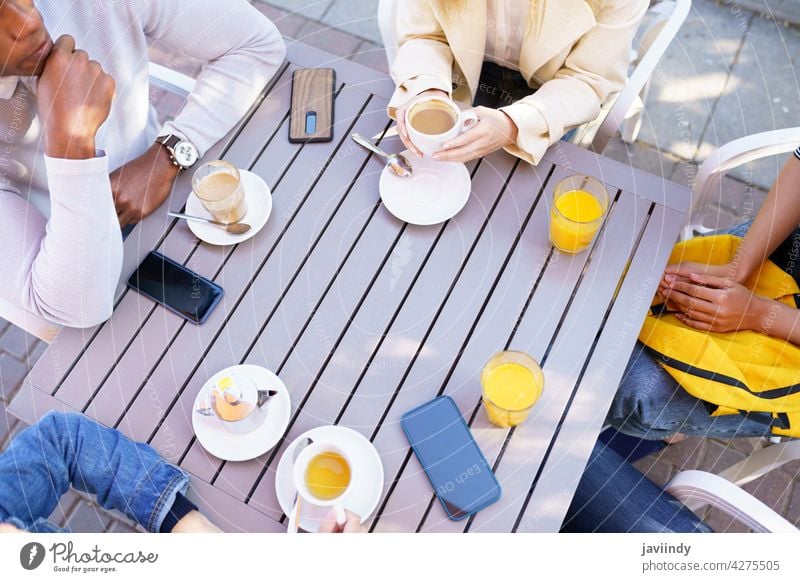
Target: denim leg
60 450
650 404
613 497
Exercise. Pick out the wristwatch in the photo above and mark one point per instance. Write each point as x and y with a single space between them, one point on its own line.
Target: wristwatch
184 153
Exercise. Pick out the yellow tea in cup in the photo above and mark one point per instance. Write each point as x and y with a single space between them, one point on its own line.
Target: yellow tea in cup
512 383
579 206
327 475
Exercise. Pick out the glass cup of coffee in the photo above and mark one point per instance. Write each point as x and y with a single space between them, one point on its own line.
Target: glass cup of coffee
323 474
219 187
433 121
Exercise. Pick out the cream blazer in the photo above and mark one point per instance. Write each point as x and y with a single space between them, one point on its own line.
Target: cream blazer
576 52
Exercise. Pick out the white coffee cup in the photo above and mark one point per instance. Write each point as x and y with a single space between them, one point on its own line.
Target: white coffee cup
433 121
299 476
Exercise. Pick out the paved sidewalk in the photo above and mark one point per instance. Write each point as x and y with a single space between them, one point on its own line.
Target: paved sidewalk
731 72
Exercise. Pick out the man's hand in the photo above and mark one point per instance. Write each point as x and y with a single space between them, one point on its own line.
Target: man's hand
495 130
717 304
74 98
8 528
352 525
142 185
400 115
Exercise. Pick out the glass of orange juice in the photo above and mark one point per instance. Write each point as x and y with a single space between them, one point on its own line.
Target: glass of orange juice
579 206
512 383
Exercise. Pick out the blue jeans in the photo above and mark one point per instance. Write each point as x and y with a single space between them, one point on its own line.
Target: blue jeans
650 404
60 450
613 497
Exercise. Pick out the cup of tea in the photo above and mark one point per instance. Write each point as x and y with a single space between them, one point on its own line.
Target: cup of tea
218 186
433 121
323 474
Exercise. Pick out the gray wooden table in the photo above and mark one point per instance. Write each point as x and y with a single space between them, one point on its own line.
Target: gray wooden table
365 317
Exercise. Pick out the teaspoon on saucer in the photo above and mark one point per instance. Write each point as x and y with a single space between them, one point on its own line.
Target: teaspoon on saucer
397 163
232 228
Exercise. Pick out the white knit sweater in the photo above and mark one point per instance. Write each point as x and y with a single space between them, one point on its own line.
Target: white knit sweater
60 244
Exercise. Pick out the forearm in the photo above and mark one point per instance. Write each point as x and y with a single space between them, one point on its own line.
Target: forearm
242 49
75 273
778 218
778 320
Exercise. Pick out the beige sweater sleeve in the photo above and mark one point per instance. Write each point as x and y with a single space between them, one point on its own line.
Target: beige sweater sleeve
596 67
423 49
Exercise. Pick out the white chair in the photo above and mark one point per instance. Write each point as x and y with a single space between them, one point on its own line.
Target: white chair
160 77
623 111
696 489
706 187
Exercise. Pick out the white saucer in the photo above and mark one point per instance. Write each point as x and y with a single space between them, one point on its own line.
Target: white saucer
434 192
224 444
259 207
361 499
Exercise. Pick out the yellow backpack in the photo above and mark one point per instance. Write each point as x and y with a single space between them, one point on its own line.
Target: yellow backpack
742 372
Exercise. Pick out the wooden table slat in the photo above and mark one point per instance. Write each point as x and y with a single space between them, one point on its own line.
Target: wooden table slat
599 381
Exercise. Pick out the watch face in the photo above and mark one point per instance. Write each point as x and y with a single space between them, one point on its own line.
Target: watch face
185 153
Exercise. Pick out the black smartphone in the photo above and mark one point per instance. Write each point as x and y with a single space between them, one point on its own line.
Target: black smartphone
175 287
461 477
311 112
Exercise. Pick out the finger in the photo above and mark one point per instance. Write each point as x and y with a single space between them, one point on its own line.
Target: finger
328 525
466 138
353 523
698 291
463 155
702 326
64 43
687 302
711 280
699 316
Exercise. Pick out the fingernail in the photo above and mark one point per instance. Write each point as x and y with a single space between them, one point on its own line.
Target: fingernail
669 278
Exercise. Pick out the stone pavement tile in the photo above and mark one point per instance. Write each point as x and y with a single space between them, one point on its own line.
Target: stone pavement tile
641 156
722 523
786 11
742 198
313 9
359 17
17 342
719 456
792 469
87 517
659 473
12 372
774 489
690 77
7 424
66 504
748 446
287 22
762 94
687 454
328 39
371 55
793 511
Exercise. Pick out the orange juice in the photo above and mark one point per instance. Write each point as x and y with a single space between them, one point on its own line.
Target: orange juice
575 218
511 386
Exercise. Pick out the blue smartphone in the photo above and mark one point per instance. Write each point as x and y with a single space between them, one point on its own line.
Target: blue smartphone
175 287
461 477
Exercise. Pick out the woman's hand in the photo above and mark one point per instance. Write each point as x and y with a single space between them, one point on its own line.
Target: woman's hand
352 525
712 303
494 130
400 115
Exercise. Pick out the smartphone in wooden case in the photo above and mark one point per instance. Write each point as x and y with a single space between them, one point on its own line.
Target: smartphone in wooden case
311 115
